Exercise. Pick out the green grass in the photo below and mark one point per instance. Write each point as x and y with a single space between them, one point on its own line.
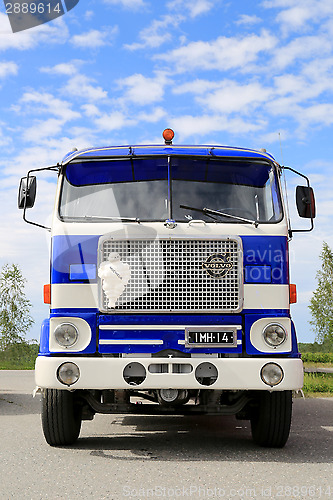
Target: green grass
318 383
19 356
317 357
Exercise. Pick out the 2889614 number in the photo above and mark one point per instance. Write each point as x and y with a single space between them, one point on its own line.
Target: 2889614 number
32 8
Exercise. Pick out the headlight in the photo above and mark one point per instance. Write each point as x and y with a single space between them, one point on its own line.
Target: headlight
66 334
271 374
68 373
274 335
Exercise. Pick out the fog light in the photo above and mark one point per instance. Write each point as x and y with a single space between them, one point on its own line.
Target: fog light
68 373
271 374
66 334
274 335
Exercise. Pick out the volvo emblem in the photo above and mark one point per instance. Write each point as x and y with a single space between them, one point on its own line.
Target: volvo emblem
218 265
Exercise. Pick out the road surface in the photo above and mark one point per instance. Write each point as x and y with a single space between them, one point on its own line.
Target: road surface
168 457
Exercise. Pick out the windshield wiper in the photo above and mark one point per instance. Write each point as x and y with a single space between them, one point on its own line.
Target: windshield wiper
101 217
208 211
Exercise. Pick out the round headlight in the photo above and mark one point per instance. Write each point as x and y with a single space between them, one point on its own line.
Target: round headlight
66 334
68 373
271 374
274 335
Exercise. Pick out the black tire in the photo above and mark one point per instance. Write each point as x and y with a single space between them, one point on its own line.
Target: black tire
270 421
61 417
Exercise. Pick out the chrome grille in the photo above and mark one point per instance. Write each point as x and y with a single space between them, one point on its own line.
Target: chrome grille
168 275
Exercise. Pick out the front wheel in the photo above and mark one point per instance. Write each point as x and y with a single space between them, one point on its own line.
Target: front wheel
271 420
61 417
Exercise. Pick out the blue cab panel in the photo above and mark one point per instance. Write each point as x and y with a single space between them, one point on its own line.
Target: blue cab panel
260 252
82 272
257 274
161 338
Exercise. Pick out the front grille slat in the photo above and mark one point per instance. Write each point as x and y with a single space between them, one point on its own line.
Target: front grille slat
168 275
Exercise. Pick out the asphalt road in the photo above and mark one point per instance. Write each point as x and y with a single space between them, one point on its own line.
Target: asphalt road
168 457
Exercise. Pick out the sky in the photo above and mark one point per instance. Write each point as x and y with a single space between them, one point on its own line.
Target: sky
255 74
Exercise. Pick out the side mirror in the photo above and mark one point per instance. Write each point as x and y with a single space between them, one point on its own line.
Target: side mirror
305 201
27 192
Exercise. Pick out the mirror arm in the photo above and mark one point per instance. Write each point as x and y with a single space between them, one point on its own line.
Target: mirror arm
54 168
291 231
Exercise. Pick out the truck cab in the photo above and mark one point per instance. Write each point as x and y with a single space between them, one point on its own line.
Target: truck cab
169 287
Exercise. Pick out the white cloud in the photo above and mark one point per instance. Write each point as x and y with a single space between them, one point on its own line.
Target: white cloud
154 116
227 96
5 139
82 86
57 113
194 7
196 87
128 4
94 39
246 20
90 110
78 85
8 68
157 33
113 121
318 68
300 88
81 137
232 97
62 68
47 103
25 159
42 129
89 14
317 114
295 95
294 18
298 15
270 138
220 54
160 30
142 90
50 33
306 47
197 126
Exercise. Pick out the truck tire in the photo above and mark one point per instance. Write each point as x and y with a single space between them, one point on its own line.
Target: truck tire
270 422
61 417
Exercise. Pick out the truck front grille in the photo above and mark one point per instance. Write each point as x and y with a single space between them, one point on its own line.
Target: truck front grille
172 275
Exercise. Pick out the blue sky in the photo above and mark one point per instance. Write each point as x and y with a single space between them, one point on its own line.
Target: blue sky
115 72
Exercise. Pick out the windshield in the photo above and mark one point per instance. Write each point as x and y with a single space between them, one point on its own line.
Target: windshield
155 189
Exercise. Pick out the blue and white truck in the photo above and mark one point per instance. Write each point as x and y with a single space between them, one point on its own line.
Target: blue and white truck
169 287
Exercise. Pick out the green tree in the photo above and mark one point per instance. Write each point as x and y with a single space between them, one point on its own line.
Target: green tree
15 319
321 303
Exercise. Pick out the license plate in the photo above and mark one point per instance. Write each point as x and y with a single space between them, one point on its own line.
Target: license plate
213 336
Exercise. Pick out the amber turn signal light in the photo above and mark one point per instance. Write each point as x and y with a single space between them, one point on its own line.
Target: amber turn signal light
292 294
47 294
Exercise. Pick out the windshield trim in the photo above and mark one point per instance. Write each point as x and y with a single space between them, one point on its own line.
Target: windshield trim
169 157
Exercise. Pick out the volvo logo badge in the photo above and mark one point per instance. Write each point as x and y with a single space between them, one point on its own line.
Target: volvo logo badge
218 265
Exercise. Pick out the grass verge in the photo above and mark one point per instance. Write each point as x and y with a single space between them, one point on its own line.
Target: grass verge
314 358
320 384
20 356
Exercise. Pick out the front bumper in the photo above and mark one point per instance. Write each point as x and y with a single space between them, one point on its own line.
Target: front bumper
175 373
